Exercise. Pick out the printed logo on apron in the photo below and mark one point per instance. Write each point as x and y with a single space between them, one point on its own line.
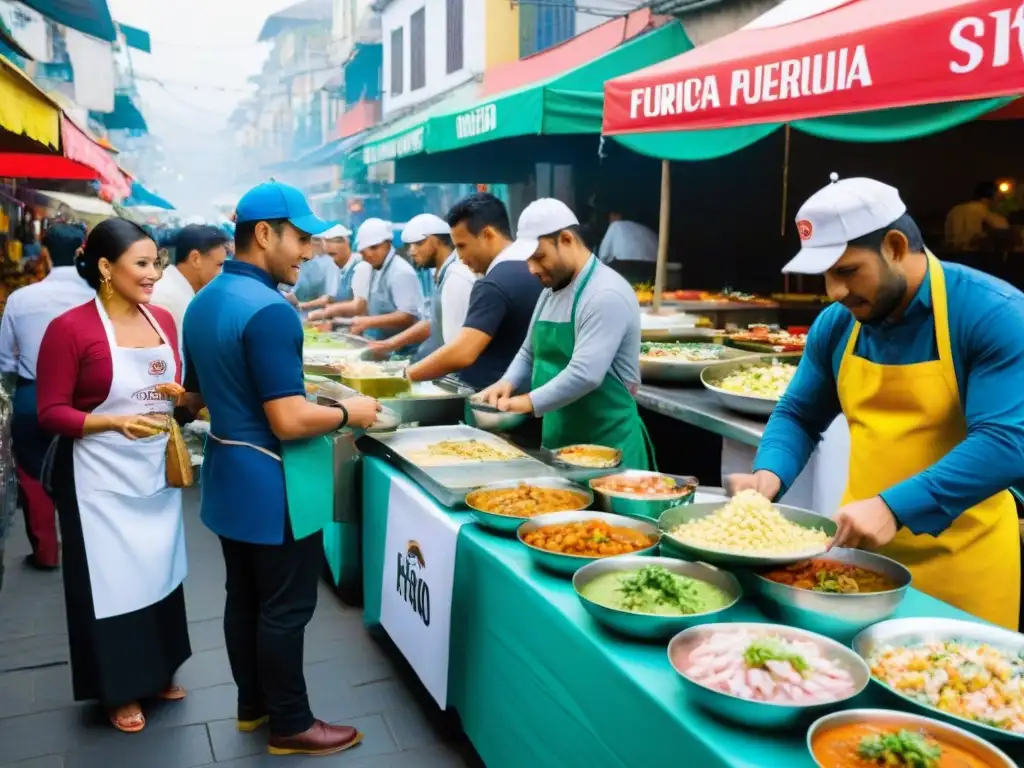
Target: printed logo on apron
131 520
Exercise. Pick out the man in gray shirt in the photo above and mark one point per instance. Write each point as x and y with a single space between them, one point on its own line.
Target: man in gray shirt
579 365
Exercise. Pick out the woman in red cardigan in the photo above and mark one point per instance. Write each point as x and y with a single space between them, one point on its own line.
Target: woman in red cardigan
108 379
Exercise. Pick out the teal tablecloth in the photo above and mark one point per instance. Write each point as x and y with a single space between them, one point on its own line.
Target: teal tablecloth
537 683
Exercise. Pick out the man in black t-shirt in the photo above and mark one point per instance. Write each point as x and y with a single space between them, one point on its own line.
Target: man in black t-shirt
500 305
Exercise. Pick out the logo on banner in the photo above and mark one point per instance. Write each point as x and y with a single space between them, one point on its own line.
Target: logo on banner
411 582
157 368
805 228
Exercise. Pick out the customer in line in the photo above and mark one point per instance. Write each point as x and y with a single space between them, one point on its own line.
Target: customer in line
27 315
243 343
199 254
107 383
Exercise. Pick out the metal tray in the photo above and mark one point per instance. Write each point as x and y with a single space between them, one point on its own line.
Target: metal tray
683 372
749 404
450 484
425 406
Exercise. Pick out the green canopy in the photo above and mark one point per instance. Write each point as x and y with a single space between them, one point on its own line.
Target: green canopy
407 135
862 127
567 103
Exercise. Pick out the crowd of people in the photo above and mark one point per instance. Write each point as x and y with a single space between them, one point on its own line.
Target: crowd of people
113 345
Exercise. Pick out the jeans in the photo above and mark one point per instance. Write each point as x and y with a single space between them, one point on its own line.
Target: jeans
271 595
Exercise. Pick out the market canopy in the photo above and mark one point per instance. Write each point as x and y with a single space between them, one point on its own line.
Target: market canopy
81 147
816 58
89 16
90 206
141 197
26 110
23 165
569 101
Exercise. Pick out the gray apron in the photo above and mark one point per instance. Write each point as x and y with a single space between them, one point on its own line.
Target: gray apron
436 340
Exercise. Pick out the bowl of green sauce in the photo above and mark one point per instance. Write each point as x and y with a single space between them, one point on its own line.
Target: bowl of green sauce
652 598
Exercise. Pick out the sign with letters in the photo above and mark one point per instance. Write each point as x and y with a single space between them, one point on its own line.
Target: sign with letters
416 586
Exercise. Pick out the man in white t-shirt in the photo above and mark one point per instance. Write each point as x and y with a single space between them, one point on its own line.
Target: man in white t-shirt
199 254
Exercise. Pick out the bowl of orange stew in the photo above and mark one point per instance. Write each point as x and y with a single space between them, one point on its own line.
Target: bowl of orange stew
638 493
564 542
836 594
874 738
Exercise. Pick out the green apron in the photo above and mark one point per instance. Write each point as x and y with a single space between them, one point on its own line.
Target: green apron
607 416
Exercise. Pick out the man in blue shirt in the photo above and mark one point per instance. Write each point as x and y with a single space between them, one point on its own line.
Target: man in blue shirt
243 346
925 361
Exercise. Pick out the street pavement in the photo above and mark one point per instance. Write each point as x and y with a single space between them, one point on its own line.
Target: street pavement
351 679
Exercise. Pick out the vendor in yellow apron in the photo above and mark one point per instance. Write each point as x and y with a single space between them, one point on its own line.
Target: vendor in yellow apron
903 419
606 416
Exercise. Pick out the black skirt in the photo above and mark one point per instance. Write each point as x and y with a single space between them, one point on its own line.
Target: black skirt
123 658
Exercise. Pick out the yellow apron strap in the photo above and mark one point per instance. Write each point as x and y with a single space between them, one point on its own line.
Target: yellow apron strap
940 311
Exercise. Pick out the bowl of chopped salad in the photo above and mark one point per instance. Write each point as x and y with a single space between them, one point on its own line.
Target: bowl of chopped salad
751 385
970 674
682 361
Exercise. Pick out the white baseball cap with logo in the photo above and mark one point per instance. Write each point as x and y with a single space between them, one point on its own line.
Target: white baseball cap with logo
540 218
420 227
373 232
837 214
337 232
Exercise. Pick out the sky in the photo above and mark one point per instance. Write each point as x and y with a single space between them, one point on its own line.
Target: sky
203 52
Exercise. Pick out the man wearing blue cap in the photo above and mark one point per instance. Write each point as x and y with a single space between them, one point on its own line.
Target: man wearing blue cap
243 346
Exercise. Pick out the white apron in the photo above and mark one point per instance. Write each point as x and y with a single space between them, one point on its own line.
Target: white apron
131 520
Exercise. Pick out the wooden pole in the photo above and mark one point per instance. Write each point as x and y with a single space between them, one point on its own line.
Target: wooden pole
785 198
663 231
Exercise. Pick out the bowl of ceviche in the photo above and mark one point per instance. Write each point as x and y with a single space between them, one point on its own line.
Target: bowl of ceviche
836 594
638 493
753 385
967 673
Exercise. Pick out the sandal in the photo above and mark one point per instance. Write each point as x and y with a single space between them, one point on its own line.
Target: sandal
132 722
172 693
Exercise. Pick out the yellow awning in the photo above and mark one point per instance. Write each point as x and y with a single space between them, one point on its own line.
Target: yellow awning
24 109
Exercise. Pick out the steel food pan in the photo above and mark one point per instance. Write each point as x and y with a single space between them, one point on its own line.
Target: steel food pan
685 372
508 523
749 404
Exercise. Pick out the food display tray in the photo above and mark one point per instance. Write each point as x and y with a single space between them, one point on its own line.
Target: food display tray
449 484
684 372
749 404
430 403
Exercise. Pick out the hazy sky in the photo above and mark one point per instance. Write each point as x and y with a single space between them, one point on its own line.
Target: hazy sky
203 53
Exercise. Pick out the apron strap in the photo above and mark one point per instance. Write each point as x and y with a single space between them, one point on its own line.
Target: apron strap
242 444
579 291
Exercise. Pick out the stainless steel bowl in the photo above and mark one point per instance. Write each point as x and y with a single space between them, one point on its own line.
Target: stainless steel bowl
648 626
897 632
507 523
483 416
654 369
887 718
762 714
634 505
569 564
752 405
835 615
676 516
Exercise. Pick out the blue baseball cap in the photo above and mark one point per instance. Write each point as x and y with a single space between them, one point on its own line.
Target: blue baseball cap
273 200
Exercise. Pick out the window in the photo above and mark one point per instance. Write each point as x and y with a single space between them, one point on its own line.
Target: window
542 26
397 61
418 50
454 23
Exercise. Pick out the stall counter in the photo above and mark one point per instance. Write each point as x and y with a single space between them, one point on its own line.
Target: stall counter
536 682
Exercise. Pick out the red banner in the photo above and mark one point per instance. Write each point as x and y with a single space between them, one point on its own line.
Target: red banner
863 55
16 165
81 148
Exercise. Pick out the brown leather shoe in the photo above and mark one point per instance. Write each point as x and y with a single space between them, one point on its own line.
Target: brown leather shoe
321 739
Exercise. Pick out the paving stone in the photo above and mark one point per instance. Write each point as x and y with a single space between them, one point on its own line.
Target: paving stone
185 747
16 693
49 761
410 727
206 635
52 688
231 744
205 670
202 705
